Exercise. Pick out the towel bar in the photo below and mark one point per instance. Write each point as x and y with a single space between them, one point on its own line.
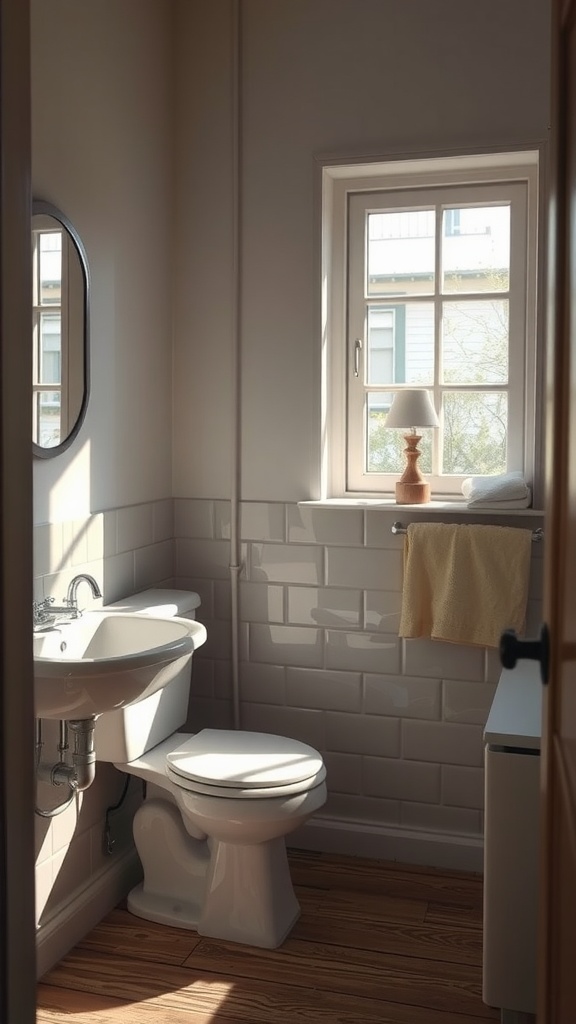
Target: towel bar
537 535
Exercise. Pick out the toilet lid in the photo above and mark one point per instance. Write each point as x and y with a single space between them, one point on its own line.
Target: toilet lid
244 760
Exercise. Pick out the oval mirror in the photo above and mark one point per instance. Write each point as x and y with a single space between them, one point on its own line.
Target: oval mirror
60 368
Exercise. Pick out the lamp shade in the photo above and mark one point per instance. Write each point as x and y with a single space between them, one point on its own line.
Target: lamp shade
412 408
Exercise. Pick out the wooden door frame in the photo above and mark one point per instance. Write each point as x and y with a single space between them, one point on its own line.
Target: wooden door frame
17 924
557 833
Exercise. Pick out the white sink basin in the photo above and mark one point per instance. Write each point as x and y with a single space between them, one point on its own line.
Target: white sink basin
104 660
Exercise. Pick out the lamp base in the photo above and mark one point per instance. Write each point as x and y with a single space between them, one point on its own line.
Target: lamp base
412 494
412 488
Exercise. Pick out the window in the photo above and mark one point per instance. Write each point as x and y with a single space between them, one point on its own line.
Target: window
430 276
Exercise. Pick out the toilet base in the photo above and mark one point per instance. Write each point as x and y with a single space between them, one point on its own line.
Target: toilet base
177 913
240 893
249 896
174 863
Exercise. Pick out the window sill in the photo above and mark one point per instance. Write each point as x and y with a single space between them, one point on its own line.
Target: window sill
430 508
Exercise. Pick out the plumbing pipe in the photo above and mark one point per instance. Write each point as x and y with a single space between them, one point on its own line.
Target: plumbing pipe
63 744
78 775
236 311
55 810
84 753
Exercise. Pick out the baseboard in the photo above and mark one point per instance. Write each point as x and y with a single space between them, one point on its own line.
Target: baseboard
72 920
387 842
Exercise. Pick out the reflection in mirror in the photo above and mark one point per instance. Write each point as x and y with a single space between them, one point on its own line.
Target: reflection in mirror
59 331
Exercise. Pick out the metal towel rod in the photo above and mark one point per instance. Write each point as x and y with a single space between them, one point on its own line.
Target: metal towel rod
537 535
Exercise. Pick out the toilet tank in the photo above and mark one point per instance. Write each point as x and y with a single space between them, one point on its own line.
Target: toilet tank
124 734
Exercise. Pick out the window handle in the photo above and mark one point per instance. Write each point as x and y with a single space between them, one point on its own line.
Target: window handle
357 351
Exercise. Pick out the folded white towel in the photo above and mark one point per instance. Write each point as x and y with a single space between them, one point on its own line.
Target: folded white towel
496 505
503 487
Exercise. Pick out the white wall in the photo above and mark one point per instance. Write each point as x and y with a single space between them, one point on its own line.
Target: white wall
318 77
102 153
204 281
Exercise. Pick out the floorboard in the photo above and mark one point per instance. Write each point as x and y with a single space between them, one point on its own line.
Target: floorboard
376 942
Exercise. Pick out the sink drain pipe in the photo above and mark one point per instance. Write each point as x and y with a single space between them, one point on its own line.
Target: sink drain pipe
77 775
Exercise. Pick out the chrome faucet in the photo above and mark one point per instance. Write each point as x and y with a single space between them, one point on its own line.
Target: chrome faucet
71 594
46 613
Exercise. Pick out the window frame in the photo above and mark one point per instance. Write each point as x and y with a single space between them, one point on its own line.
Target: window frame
341 182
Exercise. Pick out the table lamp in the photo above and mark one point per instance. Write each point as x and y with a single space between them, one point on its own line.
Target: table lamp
412 408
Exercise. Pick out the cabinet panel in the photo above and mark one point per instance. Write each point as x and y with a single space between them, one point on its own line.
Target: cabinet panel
511 844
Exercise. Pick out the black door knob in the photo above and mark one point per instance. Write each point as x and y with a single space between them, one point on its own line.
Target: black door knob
513 650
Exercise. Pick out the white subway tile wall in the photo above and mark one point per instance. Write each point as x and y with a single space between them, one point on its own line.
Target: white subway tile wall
462 787
134 527
323 689
313 606
125 549
409 697
262 603
324 526
261 521
398 722
163 520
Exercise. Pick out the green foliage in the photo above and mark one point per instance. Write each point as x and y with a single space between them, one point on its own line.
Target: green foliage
475 433
386 446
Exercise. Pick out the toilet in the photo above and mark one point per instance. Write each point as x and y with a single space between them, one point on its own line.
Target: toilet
219 803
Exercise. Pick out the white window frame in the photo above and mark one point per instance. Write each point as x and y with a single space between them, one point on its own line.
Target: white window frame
342 184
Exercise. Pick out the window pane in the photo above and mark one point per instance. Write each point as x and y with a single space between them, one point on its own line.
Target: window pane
48 427
401 344
400 257
475 431
385 446
50 268
475 342
51 348
476 249
381 344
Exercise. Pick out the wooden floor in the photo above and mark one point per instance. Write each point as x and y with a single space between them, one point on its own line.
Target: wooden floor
376 943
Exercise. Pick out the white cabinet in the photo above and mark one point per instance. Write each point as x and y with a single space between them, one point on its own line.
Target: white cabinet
511 842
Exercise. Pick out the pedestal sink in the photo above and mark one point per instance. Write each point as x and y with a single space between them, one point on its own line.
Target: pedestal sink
104 660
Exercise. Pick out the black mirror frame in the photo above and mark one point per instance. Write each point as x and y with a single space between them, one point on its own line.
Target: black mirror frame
39 206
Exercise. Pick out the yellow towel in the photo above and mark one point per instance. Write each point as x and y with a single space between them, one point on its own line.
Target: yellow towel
464 584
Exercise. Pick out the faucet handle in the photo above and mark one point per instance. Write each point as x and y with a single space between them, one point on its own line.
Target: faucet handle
40 613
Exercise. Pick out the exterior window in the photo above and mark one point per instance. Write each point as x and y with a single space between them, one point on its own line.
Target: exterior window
437 290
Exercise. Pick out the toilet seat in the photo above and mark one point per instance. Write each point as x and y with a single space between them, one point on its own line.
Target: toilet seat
244 765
